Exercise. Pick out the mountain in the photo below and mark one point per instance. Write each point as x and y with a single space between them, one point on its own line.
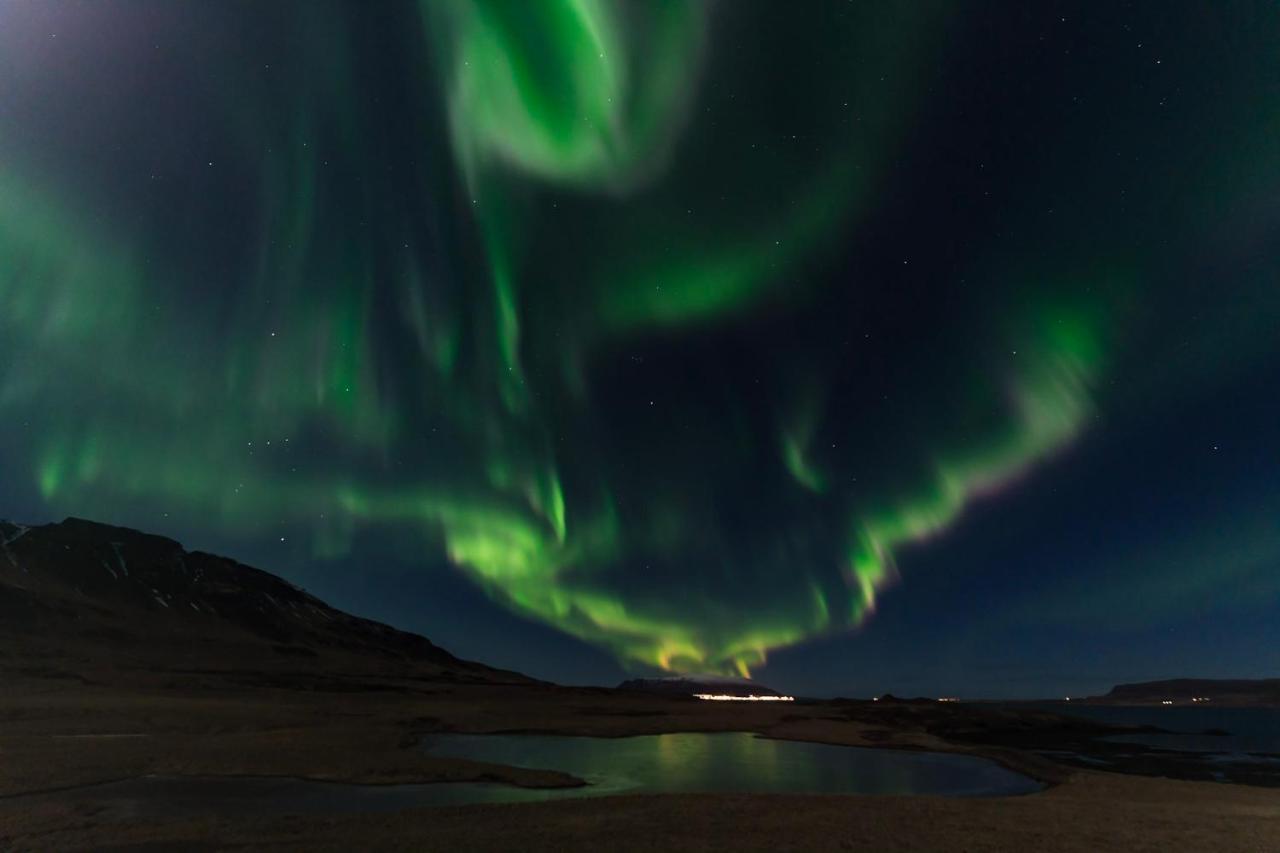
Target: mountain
79 596
1189 691
688 685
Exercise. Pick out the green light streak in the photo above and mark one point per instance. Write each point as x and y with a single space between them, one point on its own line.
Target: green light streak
363 369
1050 403
558 90
797 436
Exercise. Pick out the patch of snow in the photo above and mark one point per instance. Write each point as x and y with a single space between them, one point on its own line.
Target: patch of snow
21 531
10 539
115 546
110 570
157 597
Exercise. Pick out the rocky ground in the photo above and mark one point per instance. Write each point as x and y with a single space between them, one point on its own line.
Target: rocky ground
56 734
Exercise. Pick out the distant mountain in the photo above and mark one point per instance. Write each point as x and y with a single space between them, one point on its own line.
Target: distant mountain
688 685
1190 691
81 596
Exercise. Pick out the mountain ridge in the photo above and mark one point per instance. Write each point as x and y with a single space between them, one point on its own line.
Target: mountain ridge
80 590
1219 691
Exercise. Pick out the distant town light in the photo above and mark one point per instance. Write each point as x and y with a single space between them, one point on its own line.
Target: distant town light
948 699
725 697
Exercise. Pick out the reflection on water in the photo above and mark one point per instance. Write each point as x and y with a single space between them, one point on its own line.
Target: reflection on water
735 762
660 763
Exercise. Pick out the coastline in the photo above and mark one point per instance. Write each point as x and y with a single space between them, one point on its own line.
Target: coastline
62 736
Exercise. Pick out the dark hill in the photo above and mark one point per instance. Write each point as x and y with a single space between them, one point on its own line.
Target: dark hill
80 596
1265 691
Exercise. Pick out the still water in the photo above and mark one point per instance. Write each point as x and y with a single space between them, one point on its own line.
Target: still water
652 764
736 761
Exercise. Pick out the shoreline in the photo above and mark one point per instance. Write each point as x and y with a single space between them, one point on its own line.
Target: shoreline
373 737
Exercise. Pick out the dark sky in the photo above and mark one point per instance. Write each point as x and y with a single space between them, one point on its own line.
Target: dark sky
922 347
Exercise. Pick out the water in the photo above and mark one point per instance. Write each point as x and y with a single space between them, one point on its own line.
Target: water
1250 730
654 764
737 762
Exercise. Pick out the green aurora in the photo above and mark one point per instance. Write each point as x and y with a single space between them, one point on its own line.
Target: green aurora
579 187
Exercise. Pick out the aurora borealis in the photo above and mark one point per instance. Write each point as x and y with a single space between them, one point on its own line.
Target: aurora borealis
685 329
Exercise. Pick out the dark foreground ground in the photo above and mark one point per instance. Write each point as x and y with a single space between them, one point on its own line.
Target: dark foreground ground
122 655
58 733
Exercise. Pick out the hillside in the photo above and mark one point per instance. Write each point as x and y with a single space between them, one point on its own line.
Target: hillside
1186 691
78 596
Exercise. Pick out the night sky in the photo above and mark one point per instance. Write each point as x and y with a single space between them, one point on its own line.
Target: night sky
918 347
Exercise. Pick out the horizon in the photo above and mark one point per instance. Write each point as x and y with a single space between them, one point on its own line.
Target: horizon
860 350
935 695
